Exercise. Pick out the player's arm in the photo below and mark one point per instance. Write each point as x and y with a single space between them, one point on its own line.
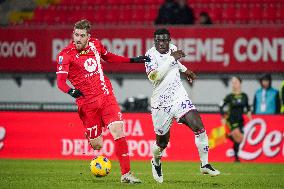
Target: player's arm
151 67
278 103
62 74
224 103
254 104
113 58
61 82
247 107
181 67
159 73
221 107
190 75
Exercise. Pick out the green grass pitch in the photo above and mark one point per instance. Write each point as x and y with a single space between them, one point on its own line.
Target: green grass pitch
76 174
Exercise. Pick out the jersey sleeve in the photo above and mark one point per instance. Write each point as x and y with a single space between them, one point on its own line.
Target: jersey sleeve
224 102
103 50
112 58
247 107
156 72
63 62
150 66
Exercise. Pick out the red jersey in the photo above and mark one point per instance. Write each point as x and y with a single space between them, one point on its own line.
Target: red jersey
85 70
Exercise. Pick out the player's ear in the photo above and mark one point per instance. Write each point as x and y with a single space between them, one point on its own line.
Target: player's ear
89 36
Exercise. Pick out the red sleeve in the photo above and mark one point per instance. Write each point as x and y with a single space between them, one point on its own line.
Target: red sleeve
63 61
61 82
113 58
103 49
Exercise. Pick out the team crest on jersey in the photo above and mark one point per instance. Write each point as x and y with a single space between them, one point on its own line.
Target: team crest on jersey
90 65
60 59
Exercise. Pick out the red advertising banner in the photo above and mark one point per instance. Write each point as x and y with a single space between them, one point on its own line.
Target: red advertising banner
247 49
58 135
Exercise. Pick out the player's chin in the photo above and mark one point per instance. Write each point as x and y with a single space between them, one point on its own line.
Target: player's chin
79 47
162 51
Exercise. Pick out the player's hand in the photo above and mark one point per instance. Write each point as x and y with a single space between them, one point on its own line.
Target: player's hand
140 59
178 54
190 76
249 115
75 93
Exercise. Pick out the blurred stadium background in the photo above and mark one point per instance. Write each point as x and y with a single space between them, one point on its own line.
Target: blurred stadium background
245 39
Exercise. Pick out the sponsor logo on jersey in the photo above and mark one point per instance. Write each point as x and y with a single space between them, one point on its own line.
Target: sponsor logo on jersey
90 65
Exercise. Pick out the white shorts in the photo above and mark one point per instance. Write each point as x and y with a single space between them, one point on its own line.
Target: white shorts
163 116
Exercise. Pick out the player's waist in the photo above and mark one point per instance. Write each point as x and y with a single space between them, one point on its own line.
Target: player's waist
157 101
235 119
92 98
173 92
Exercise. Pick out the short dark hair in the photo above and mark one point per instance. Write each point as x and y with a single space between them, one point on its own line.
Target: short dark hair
83 25
238 78
265 76
162 31
204 14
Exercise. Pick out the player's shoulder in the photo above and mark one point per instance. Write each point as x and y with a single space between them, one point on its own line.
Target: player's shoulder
67 51
244 95
258 91
229 96
94 40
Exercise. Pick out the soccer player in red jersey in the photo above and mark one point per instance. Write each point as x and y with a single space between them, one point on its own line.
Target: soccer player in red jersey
80 63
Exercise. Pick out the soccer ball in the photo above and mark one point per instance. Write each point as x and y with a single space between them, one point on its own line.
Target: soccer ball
100 166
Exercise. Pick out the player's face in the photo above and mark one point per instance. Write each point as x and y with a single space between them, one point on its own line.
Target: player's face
236 84
265 83
162 43
80 37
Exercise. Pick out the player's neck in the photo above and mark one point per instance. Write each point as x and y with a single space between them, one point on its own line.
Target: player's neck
237 92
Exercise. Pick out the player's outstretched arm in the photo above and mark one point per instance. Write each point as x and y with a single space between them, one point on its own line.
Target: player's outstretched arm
113 58
140 59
